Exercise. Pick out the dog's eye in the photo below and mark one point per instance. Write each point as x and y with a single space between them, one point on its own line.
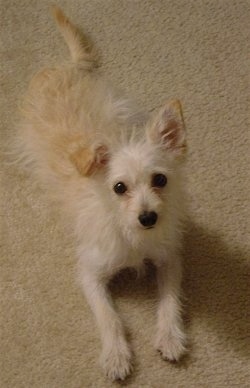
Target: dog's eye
120 188
159 180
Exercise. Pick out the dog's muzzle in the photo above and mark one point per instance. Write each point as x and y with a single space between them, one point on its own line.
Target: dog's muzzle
148 219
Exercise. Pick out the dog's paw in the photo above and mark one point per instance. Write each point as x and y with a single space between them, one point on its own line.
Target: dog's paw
172 346
116 362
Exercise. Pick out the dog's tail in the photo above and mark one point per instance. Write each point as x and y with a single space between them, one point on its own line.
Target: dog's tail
80 47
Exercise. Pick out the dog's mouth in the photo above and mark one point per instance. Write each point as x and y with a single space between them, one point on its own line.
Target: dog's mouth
148 227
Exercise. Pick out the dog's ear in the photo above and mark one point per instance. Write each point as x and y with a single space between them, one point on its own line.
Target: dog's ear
88 161
168 129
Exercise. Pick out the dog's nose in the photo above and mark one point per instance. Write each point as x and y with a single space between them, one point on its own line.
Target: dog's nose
148 218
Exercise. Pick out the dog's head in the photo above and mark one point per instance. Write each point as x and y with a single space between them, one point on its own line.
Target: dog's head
142 174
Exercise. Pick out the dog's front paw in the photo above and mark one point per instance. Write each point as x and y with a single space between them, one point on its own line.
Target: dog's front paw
171 345
116 362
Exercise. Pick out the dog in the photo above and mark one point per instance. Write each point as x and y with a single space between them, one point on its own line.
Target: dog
117 174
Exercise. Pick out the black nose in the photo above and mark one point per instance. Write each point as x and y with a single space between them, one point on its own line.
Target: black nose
148 218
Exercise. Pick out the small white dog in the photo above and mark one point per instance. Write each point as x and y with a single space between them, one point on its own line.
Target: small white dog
118 179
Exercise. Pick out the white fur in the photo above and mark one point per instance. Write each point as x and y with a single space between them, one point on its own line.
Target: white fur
69 110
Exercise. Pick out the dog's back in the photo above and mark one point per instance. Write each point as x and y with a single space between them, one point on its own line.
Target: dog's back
68 113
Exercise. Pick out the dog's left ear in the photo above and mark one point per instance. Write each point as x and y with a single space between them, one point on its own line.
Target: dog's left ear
88 161
168 129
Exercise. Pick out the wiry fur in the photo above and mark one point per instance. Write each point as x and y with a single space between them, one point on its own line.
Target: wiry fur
80 138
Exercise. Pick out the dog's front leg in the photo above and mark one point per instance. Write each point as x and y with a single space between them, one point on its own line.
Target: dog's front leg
170 339
116 354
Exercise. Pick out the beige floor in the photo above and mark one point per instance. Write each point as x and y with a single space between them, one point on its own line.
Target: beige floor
194 50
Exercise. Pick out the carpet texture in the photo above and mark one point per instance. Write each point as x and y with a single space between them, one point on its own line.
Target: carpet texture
193 50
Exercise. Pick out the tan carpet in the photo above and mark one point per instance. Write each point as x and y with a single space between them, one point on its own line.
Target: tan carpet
196 51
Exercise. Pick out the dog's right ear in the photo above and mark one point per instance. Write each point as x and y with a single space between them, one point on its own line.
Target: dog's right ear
88 161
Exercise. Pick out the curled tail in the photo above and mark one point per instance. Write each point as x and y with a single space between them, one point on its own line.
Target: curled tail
80 47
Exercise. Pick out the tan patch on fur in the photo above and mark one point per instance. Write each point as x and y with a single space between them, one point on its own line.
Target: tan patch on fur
87 161
84 160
